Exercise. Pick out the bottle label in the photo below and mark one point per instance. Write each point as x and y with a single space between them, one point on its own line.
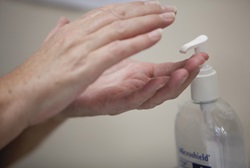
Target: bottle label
192 159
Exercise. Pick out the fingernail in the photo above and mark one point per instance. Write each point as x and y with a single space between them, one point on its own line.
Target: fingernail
168 16
152 2
155 34
168 8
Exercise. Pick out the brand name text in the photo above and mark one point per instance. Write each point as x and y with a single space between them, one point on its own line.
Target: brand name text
195 155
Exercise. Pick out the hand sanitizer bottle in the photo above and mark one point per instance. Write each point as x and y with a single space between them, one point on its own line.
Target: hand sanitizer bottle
208 131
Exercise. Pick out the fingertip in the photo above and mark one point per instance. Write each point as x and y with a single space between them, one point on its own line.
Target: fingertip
168 18
204 55
196 61
155 35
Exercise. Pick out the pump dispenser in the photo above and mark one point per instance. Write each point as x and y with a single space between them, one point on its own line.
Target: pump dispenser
204 88
208 131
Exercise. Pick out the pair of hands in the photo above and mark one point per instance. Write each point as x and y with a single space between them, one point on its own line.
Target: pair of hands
82 68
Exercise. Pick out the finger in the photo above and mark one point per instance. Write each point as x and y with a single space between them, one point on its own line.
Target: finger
169 8
193 66
195 61
108 14
97 11
118 50
140 96
124 29
60 23
103 9
190 64
167 68
179 81
168 91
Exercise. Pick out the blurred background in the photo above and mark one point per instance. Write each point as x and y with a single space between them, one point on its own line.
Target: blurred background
137 139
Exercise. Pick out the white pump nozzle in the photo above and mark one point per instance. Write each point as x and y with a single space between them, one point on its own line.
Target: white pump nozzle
196 44
204 87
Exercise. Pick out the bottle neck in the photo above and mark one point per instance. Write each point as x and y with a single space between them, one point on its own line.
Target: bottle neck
206 107
205 102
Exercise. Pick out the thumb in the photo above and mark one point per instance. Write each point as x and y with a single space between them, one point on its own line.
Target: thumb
60 23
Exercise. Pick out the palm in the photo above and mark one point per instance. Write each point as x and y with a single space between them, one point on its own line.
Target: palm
125 86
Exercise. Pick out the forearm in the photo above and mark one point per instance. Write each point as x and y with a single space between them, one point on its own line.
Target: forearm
15 113
29 97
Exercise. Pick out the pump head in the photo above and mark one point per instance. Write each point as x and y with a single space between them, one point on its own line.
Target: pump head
197 44
204 87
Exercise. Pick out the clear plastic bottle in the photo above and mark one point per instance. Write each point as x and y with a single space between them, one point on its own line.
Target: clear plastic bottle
210 137
208 131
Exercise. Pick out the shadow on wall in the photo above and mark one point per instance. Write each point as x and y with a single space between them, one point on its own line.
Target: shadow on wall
9 155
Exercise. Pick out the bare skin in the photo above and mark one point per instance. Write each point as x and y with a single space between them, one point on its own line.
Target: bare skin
134 85
82 69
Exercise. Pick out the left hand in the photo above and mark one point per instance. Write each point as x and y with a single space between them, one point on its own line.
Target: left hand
135 85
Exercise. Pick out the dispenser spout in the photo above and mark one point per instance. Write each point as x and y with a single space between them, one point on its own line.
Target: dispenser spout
204 87
197 44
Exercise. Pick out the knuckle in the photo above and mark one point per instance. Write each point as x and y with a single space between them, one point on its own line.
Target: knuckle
70 38
116 48
116 52
106 7
119 27
111 55
92 14
102 9
119 13
66 38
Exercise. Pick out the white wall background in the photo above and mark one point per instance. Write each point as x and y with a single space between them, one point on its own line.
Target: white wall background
137 139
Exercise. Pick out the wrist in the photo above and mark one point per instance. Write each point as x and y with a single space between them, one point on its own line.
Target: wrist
14 114
76 110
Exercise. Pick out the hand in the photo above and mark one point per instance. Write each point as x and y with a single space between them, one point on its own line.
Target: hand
135 85
77 53
72 57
